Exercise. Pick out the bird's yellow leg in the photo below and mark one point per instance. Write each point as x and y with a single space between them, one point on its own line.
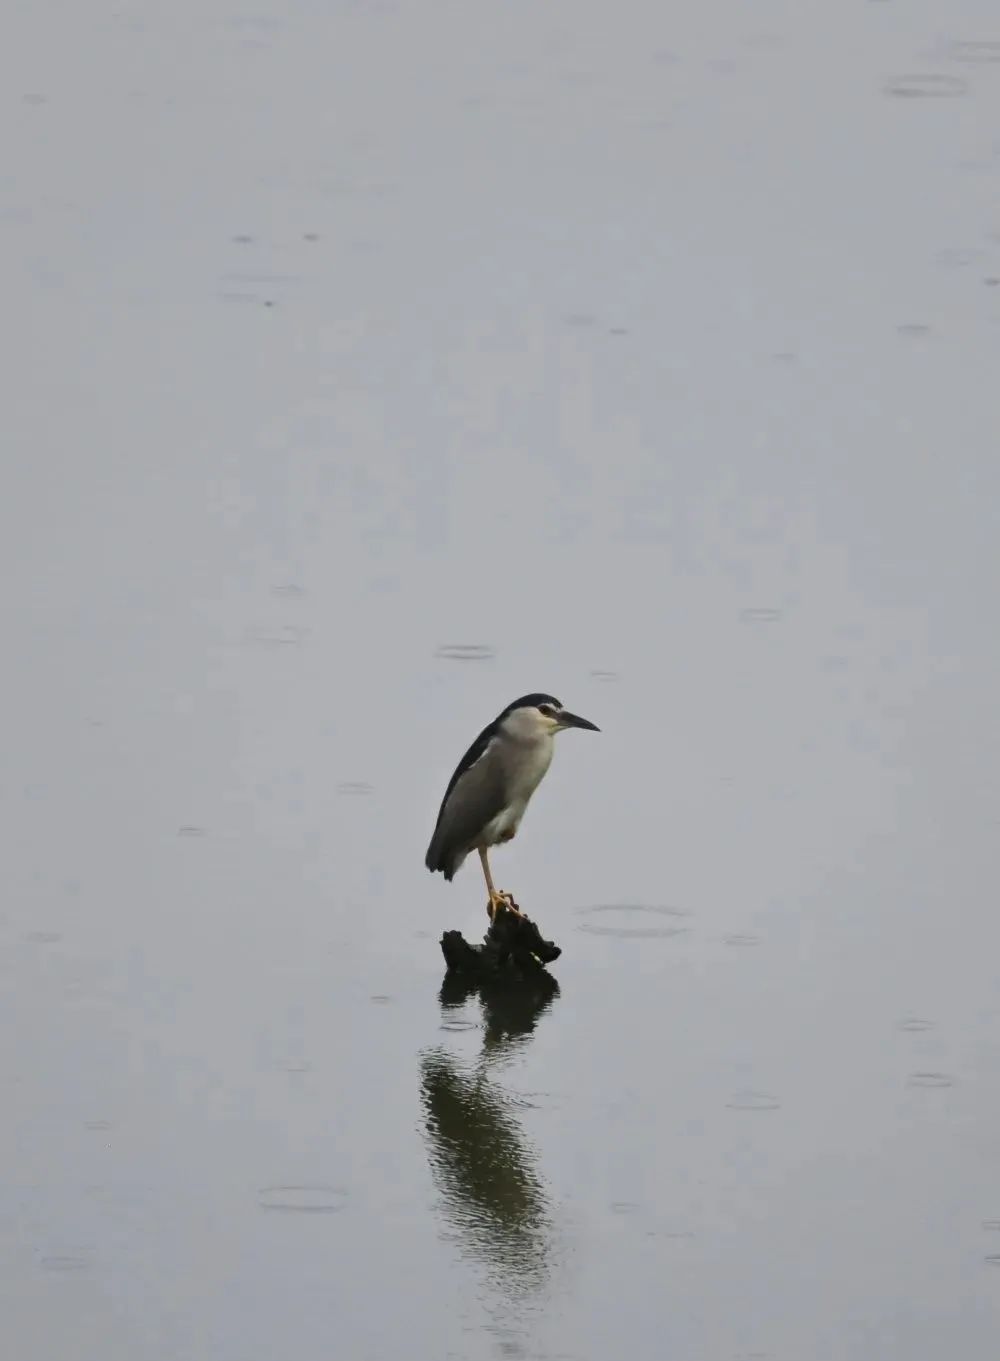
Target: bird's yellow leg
496 899
494 895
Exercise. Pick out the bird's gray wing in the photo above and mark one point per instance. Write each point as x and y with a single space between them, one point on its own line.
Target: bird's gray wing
476 796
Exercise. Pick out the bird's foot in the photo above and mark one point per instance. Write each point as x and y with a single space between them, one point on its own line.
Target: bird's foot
502 902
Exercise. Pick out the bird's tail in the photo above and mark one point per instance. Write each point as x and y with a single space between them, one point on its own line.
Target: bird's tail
436 860
433 857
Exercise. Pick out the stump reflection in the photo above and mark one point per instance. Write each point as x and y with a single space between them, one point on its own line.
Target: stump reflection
484 1166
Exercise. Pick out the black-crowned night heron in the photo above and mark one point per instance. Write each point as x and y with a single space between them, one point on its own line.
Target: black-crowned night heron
489 791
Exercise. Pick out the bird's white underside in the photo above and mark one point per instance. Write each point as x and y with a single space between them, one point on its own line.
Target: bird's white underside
536 757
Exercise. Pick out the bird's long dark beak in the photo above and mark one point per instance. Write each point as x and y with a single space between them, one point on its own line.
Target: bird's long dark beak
568 720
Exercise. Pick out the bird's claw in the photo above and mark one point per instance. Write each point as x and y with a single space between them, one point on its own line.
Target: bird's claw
505 901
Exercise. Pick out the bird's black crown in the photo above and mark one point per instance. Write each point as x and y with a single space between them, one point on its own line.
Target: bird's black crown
531 702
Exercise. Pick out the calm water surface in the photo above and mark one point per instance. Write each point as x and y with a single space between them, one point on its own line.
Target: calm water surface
368 365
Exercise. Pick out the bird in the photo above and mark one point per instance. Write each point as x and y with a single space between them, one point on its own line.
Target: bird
489 791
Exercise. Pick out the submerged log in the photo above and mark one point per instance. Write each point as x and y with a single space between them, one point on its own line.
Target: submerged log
513 950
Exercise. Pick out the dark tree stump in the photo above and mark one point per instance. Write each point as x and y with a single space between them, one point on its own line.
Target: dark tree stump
513 951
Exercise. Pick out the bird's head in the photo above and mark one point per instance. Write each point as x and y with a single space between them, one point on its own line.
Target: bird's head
534 716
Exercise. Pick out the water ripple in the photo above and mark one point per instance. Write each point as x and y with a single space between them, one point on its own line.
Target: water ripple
64 1261
926 86
977 52
753 1101
274 636
930 1080
302 1199
465 652
624 932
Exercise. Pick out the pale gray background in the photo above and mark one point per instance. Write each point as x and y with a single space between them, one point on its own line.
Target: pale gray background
653 347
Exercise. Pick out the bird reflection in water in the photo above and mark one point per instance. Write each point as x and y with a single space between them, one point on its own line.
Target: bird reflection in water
482 1163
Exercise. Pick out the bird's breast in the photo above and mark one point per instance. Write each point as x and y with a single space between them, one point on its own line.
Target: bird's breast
525 766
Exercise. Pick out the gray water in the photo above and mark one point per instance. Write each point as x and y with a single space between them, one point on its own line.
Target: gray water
368 365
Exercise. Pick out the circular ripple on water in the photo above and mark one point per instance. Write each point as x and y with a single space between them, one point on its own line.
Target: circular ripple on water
753 1101
314 1200
957 257
64 1261
465 652
930 1080
745 941
978 53
457 1023
914 1024
926 86
623 932
275 636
